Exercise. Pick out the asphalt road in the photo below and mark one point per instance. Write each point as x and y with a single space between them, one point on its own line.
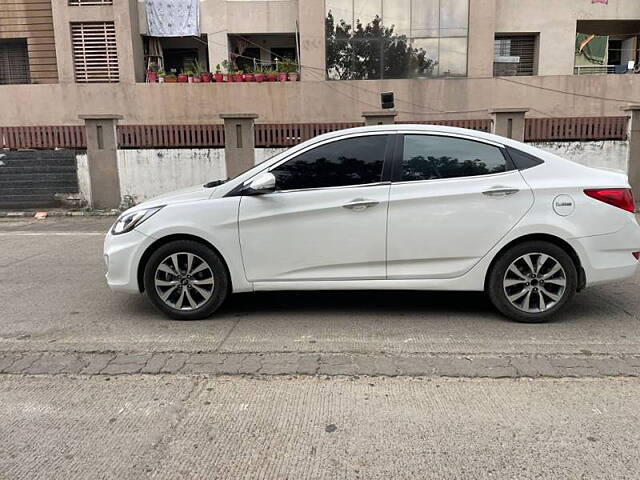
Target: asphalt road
96 384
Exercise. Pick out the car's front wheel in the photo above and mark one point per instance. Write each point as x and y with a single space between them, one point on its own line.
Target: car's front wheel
186 279
532 281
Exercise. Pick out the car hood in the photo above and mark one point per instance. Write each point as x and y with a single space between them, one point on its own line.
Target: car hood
183 195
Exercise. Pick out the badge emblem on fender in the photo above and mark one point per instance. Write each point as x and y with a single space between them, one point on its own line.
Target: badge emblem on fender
563 205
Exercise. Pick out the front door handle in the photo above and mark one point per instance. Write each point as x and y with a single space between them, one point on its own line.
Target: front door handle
360 204
500 191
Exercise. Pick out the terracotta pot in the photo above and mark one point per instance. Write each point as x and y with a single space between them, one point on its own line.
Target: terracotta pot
237 77
259 77
205 78
183 78
271 77
249 77
294 77
170 80
282 77
195 80
152 77
218 77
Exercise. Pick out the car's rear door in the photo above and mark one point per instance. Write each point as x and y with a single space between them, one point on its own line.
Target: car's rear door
327 218
452 199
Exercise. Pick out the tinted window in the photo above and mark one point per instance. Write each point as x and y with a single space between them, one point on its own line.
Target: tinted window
523 160
354 161
429 157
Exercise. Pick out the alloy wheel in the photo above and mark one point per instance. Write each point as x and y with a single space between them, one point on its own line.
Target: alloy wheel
184 281
534 282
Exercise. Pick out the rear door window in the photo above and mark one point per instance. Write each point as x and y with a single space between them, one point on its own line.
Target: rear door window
429 157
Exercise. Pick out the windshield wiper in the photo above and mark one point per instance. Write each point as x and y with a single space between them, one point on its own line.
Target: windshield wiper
215 183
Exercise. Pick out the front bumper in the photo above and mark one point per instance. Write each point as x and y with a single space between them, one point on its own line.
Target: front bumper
122 254
608 258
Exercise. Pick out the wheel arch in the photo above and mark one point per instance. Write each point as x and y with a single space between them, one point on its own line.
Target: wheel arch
170 238
559 242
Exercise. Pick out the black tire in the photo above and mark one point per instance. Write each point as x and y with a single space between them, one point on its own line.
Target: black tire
220 289
498 291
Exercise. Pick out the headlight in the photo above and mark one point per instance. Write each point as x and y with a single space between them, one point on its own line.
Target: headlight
129 221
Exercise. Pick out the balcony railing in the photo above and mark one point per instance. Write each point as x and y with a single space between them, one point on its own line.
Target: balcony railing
600 69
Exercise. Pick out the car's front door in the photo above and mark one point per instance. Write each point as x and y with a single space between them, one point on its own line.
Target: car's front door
451 201
327 218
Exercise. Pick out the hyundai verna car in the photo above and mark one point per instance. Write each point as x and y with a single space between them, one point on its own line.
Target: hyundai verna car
400 207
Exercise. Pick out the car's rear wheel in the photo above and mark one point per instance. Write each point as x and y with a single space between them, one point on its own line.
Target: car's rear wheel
532 281
186 279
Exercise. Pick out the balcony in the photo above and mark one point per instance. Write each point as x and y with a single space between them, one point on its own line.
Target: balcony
242 58
606 47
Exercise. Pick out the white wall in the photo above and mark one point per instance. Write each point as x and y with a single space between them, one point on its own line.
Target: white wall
147 173
608 154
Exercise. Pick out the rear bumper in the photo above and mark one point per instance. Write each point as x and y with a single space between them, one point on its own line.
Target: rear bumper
122 254
608 258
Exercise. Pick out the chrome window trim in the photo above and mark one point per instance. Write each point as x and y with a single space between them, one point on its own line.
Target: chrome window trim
339 187
454 135
453 179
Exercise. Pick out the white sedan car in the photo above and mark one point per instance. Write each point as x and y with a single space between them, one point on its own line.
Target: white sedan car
398 207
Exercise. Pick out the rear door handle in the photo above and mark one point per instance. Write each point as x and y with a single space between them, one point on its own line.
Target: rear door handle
500 191
360 204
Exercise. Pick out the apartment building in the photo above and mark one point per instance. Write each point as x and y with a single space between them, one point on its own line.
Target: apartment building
443 59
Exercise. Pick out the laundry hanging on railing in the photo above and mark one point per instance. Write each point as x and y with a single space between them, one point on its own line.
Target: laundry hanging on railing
173 18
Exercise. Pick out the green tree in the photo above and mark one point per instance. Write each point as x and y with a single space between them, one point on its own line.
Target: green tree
372 51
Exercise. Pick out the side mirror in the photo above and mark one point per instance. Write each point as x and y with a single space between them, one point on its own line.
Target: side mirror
263 183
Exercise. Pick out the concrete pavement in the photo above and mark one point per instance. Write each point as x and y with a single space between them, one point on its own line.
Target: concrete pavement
173 427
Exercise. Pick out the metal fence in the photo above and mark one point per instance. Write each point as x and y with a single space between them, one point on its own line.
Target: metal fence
575 128
289 134
170 136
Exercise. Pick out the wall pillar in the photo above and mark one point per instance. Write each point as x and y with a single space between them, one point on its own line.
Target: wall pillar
482 32
102 159
380 117
311 14
239 142
508 122
633 168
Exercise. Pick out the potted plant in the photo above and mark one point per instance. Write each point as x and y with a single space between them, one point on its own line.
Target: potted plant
152 75
287 69
259 74
238 76
250 76
184 76
199 75
218 77
161 76
170 78
271 75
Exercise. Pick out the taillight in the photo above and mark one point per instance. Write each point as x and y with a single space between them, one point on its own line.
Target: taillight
637 255
618 197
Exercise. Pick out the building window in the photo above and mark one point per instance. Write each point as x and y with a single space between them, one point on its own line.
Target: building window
514 55
95 56
375 39
14 61
76 3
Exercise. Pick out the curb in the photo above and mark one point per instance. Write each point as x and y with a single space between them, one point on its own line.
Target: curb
59 213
